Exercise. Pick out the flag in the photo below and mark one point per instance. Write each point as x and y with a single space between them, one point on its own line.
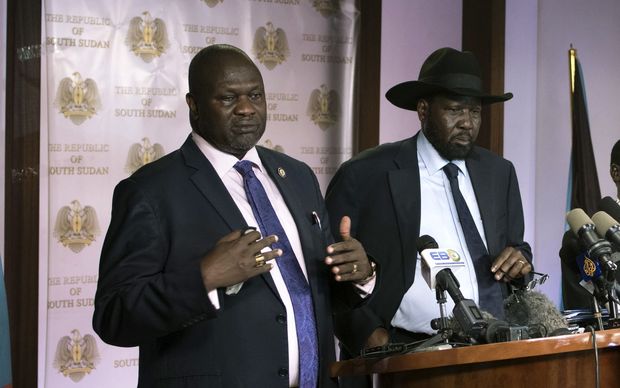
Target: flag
5 342
583 189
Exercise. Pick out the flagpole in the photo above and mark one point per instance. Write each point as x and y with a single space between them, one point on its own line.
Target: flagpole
572 54
572 57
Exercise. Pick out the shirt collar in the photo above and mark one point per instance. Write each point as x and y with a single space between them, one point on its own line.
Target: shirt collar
433 161
221 161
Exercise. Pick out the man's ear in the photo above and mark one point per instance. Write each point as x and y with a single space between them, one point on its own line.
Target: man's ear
191 103
423 109
614 171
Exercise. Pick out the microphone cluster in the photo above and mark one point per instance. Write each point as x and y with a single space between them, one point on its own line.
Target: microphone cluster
597 240
528 314
469 323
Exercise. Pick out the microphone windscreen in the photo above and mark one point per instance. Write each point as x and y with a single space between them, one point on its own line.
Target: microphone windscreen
426 242
530 308
610 206
603 222
576 219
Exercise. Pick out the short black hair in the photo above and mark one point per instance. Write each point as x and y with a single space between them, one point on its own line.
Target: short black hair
615 154
204 57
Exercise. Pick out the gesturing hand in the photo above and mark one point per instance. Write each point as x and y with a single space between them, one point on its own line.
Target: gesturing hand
233 259
348 258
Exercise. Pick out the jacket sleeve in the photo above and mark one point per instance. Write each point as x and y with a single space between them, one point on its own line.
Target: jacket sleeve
354 318
138 296
515 217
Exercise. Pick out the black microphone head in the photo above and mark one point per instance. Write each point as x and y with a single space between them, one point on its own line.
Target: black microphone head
426 242
489 335
611 207
458 331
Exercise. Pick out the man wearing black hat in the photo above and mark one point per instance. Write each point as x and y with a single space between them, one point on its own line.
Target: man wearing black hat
435 183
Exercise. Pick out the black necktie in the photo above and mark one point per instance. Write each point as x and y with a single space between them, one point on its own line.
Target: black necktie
489 290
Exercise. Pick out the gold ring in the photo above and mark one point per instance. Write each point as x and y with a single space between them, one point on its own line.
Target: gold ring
354 268
260 260
523 262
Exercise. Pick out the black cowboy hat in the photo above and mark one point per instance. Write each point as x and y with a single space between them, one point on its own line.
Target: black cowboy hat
448 71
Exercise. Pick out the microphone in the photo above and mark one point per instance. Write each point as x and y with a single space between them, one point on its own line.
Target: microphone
494 331
537 312
426 242
597 248
434 260
465 311
607 227
438 268
573 258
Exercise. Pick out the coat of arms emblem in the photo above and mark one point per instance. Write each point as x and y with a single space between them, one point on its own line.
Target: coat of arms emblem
324 107
147 36
212 3
326 8
143 153
270 45
76 355
77 98
76 226
276 147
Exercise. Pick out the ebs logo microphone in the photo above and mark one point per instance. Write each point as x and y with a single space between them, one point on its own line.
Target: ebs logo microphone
444 254
436 259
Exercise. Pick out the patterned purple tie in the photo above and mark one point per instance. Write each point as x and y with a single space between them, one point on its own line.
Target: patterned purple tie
489 290
296 283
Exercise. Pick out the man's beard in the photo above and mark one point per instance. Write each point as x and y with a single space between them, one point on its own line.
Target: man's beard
446 149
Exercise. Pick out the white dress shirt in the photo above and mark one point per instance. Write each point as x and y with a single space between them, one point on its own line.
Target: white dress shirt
439 219
233 181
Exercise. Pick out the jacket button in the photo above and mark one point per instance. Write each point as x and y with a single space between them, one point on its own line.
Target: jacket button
280 318
283 372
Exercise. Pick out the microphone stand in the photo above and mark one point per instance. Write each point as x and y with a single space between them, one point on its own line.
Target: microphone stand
614 319
597 313
440 324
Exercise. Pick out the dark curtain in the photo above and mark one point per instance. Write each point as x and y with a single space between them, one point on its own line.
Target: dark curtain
23 81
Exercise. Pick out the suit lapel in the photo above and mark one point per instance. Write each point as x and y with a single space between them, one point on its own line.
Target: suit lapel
480 174
207 181
210 185
405 191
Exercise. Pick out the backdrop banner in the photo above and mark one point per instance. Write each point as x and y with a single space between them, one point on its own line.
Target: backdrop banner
114 80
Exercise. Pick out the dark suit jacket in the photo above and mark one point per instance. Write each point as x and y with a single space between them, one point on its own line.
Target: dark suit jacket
380 190
150 294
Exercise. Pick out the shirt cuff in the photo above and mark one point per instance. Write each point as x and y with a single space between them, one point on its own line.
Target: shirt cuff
214 298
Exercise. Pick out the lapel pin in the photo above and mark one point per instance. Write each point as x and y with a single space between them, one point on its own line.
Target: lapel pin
281 172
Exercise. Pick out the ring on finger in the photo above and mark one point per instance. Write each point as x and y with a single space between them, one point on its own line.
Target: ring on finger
354 268
260 260
523 262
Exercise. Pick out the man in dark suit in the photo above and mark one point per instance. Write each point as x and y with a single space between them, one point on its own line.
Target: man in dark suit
574 296
210 301
396 192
